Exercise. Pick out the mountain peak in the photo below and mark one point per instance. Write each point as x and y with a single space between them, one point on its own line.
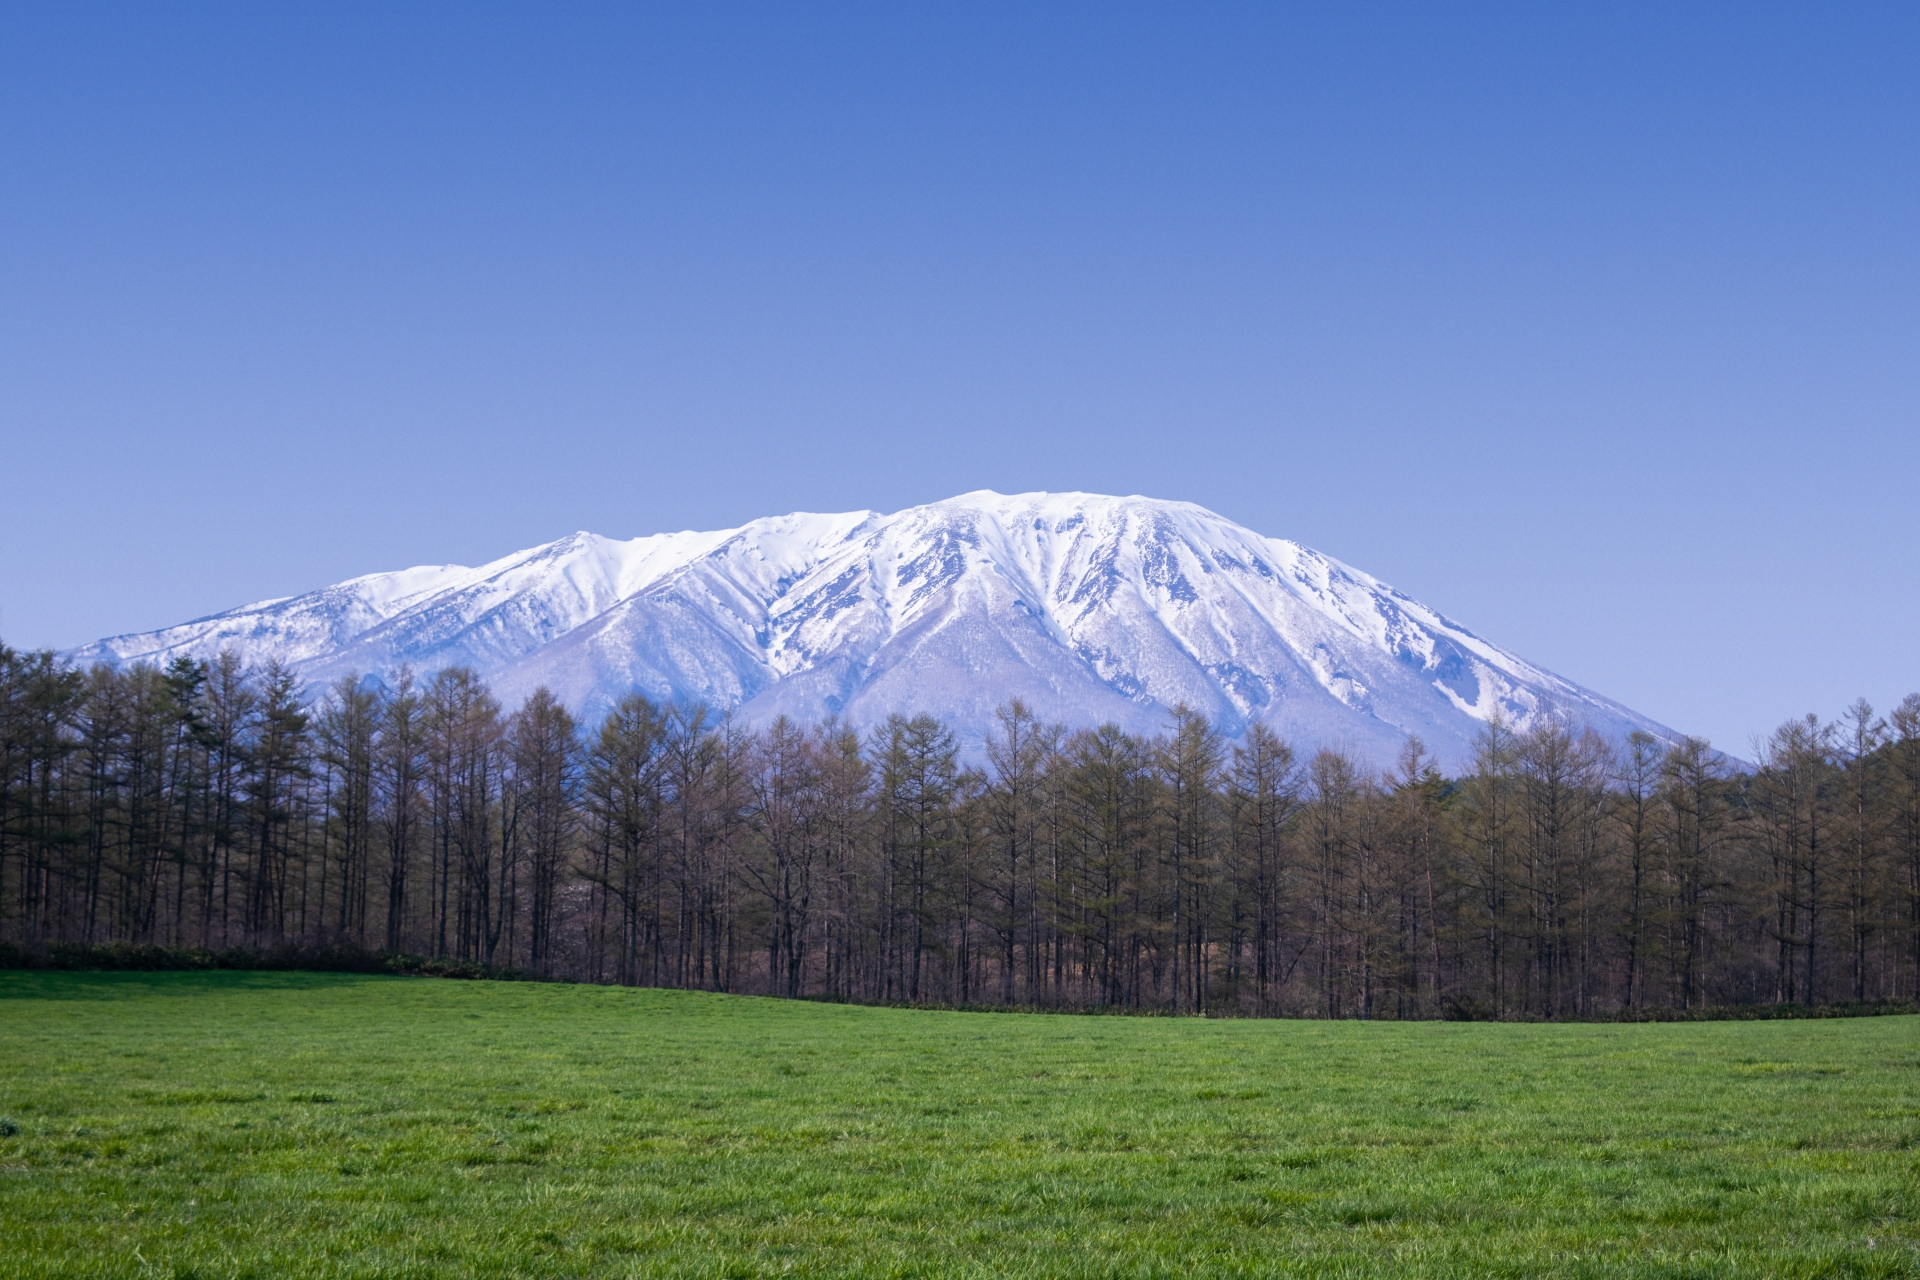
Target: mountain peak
1092 608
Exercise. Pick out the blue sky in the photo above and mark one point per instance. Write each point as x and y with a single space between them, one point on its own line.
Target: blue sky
1595 327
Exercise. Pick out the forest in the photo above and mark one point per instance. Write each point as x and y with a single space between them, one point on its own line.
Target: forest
210 805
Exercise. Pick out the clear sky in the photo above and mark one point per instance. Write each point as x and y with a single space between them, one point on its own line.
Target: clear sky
1595 327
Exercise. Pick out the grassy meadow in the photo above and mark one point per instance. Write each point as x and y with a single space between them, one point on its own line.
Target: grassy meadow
278 1124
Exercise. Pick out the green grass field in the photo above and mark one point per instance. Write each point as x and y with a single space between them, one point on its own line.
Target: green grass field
227 1124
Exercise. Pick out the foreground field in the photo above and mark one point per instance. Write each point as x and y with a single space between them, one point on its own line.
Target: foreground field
287 1124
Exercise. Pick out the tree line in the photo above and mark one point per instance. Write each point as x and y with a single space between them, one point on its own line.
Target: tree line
211 805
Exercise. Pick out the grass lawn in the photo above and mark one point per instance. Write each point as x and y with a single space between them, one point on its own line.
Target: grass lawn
271 1124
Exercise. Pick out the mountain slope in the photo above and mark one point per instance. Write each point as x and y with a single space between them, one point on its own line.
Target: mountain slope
1091 608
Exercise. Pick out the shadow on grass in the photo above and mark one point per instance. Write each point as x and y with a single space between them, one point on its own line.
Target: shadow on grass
42 984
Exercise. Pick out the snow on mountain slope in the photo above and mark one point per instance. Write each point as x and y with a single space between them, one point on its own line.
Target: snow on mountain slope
296 630
1090 608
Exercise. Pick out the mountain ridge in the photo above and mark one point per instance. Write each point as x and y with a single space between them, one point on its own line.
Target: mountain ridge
1092 608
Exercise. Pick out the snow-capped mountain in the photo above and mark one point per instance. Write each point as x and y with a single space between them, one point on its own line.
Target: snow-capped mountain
1090 608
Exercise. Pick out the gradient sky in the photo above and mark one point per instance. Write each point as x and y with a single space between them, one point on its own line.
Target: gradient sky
1595 327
